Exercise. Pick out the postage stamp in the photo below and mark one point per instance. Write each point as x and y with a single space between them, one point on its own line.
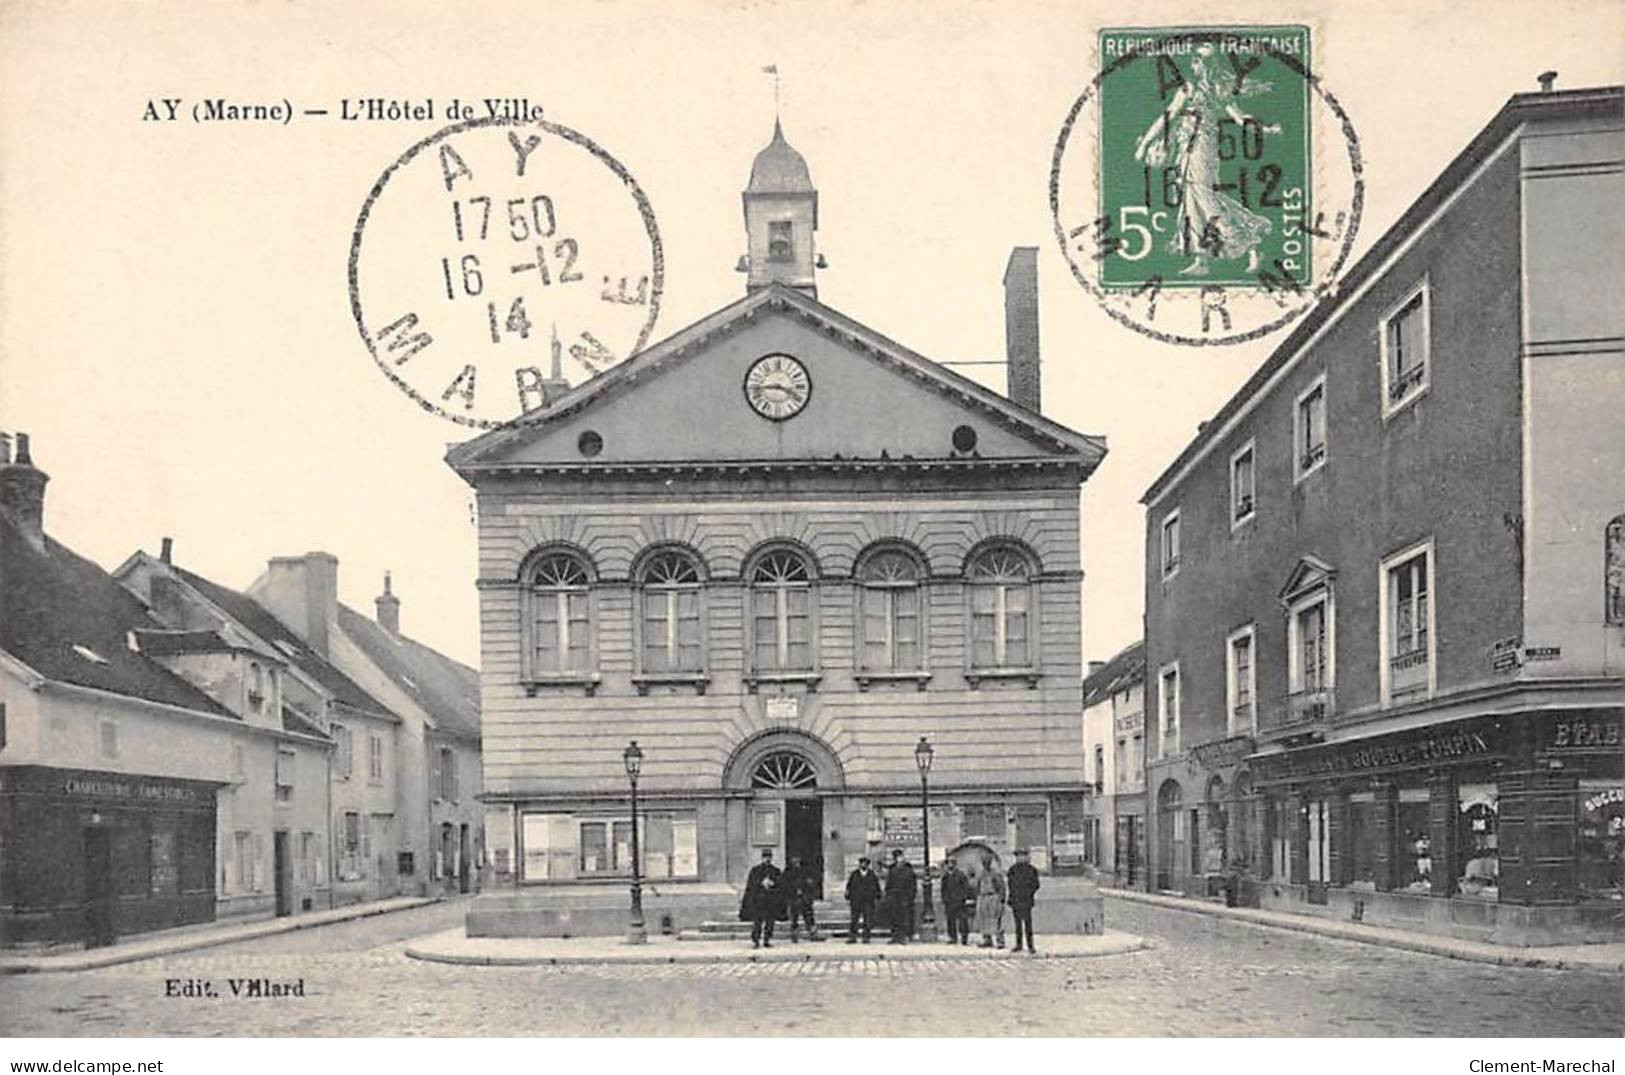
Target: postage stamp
499 262
1187 190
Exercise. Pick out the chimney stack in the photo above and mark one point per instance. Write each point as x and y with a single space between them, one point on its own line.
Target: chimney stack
22 492
389 609
167 551
1021 327
303 592
1546 78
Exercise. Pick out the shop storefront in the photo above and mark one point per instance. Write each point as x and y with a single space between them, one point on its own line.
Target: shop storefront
95 856
1506 828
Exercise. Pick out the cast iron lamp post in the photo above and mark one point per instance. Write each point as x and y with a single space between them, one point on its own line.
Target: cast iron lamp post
636 933
922 758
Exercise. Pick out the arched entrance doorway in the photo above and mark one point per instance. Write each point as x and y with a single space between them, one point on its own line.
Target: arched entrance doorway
1170 831
786 776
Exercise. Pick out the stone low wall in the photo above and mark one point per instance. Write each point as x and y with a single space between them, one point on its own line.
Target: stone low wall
1064 905
1461 917
596 910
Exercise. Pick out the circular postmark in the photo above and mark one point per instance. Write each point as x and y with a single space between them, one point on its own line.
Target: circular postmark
498 262
1186 189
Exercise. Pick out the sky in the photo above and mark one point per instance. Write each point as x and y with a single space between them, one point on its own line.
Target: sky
175 331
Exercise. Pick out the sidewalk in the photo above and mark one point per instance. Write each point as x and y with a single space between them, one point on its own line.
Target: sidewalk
1602 957
169 942
452 946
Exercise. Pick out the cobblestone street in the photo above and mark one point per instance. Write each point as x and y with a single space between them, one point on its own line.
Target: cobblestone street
1204 976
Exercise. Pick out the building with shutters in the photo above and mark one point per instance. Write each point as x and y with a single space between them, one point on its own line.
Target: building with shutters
776 549
1385 585
153 773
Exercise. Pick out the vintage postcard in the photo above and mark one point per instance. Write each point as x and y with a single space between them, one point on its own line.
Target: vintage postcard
883 520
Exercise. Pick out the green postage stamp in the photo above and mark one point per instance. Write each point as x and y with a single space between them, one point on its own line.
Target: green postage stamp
1204 158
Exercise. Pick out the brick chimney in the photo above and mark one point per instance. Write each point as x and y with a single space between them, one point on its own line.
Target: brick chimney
303 592
389 609
1021 327
22 491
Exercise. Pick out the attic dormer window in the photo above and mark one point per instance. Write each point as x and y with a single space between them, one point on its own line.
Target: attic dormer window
780 241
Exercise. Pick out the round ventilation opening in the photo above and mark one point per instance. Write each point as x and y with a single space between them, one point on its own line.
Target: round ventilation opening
590 443
964 439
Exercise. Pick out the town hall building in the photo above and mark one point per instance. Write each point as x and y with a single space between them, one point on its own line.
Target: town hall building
777 550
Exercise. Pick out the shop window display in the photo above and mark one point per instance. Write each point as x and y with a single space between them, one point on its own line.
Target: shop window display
1477 840
1415 866
1602 843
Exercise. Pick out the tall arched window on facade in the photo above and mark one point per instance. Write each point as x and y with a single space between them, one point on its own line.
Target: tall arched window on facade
892 611
558 586
781 612
669 589
1000 582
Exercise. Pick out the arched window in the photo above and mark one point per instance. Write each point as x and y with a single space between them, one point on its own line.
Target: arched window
892 610
999 580
256 687
558 585
669 588
781 611
784 771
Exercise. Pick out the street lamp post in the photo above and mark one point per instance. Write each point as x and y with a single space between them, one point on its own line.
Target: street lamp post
928 917
636 932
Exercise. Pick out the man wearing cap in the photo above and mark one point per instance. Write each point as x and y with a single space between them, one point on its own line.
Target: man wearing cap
1023 883
763 900
862 893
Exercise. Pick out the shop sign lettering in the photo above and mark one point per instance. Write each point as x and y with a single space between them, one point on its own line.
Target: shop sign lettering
1606 798
1223 752
100 788
1129 722
1585 733
1542 653
1435 747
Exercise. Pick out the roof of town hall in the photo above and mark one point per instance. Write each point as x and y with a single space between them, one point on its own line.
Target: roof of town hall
448 690
1520 108
68 620
1123 670
1060 441
256 618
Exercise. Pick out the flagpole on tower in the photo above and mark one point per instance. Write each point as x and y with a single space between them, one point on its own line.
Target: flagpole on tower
773 69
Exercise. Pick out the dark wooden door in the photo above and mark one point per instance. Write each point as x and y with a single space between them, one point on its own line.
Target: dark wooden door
282 873
804 836
98 887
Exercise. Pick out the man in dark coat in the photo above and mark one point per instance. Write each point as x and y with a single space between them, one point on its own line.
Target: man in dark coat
901 888
862 893
955 891
763 901
1023 882
801 891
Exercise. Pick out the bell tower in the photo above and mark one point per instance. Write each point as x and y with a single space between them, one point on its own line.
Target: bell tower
781 215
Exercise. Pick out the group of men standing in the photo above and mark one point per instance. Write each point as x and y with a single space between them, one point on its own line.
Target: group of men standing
968 900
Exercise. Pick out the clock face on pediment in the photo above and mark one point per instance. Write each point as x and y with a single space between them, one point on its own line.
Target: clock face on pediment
777 386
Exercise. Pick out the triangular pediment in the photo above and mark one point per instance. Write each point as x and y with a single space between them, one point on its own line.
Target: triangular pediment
685 400
1308 574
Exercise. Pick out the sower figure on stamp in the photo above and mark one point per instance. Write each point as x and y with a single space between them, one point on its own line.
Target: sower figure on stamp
800 888
862 894
955 890
1023 882
763 901
900 892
